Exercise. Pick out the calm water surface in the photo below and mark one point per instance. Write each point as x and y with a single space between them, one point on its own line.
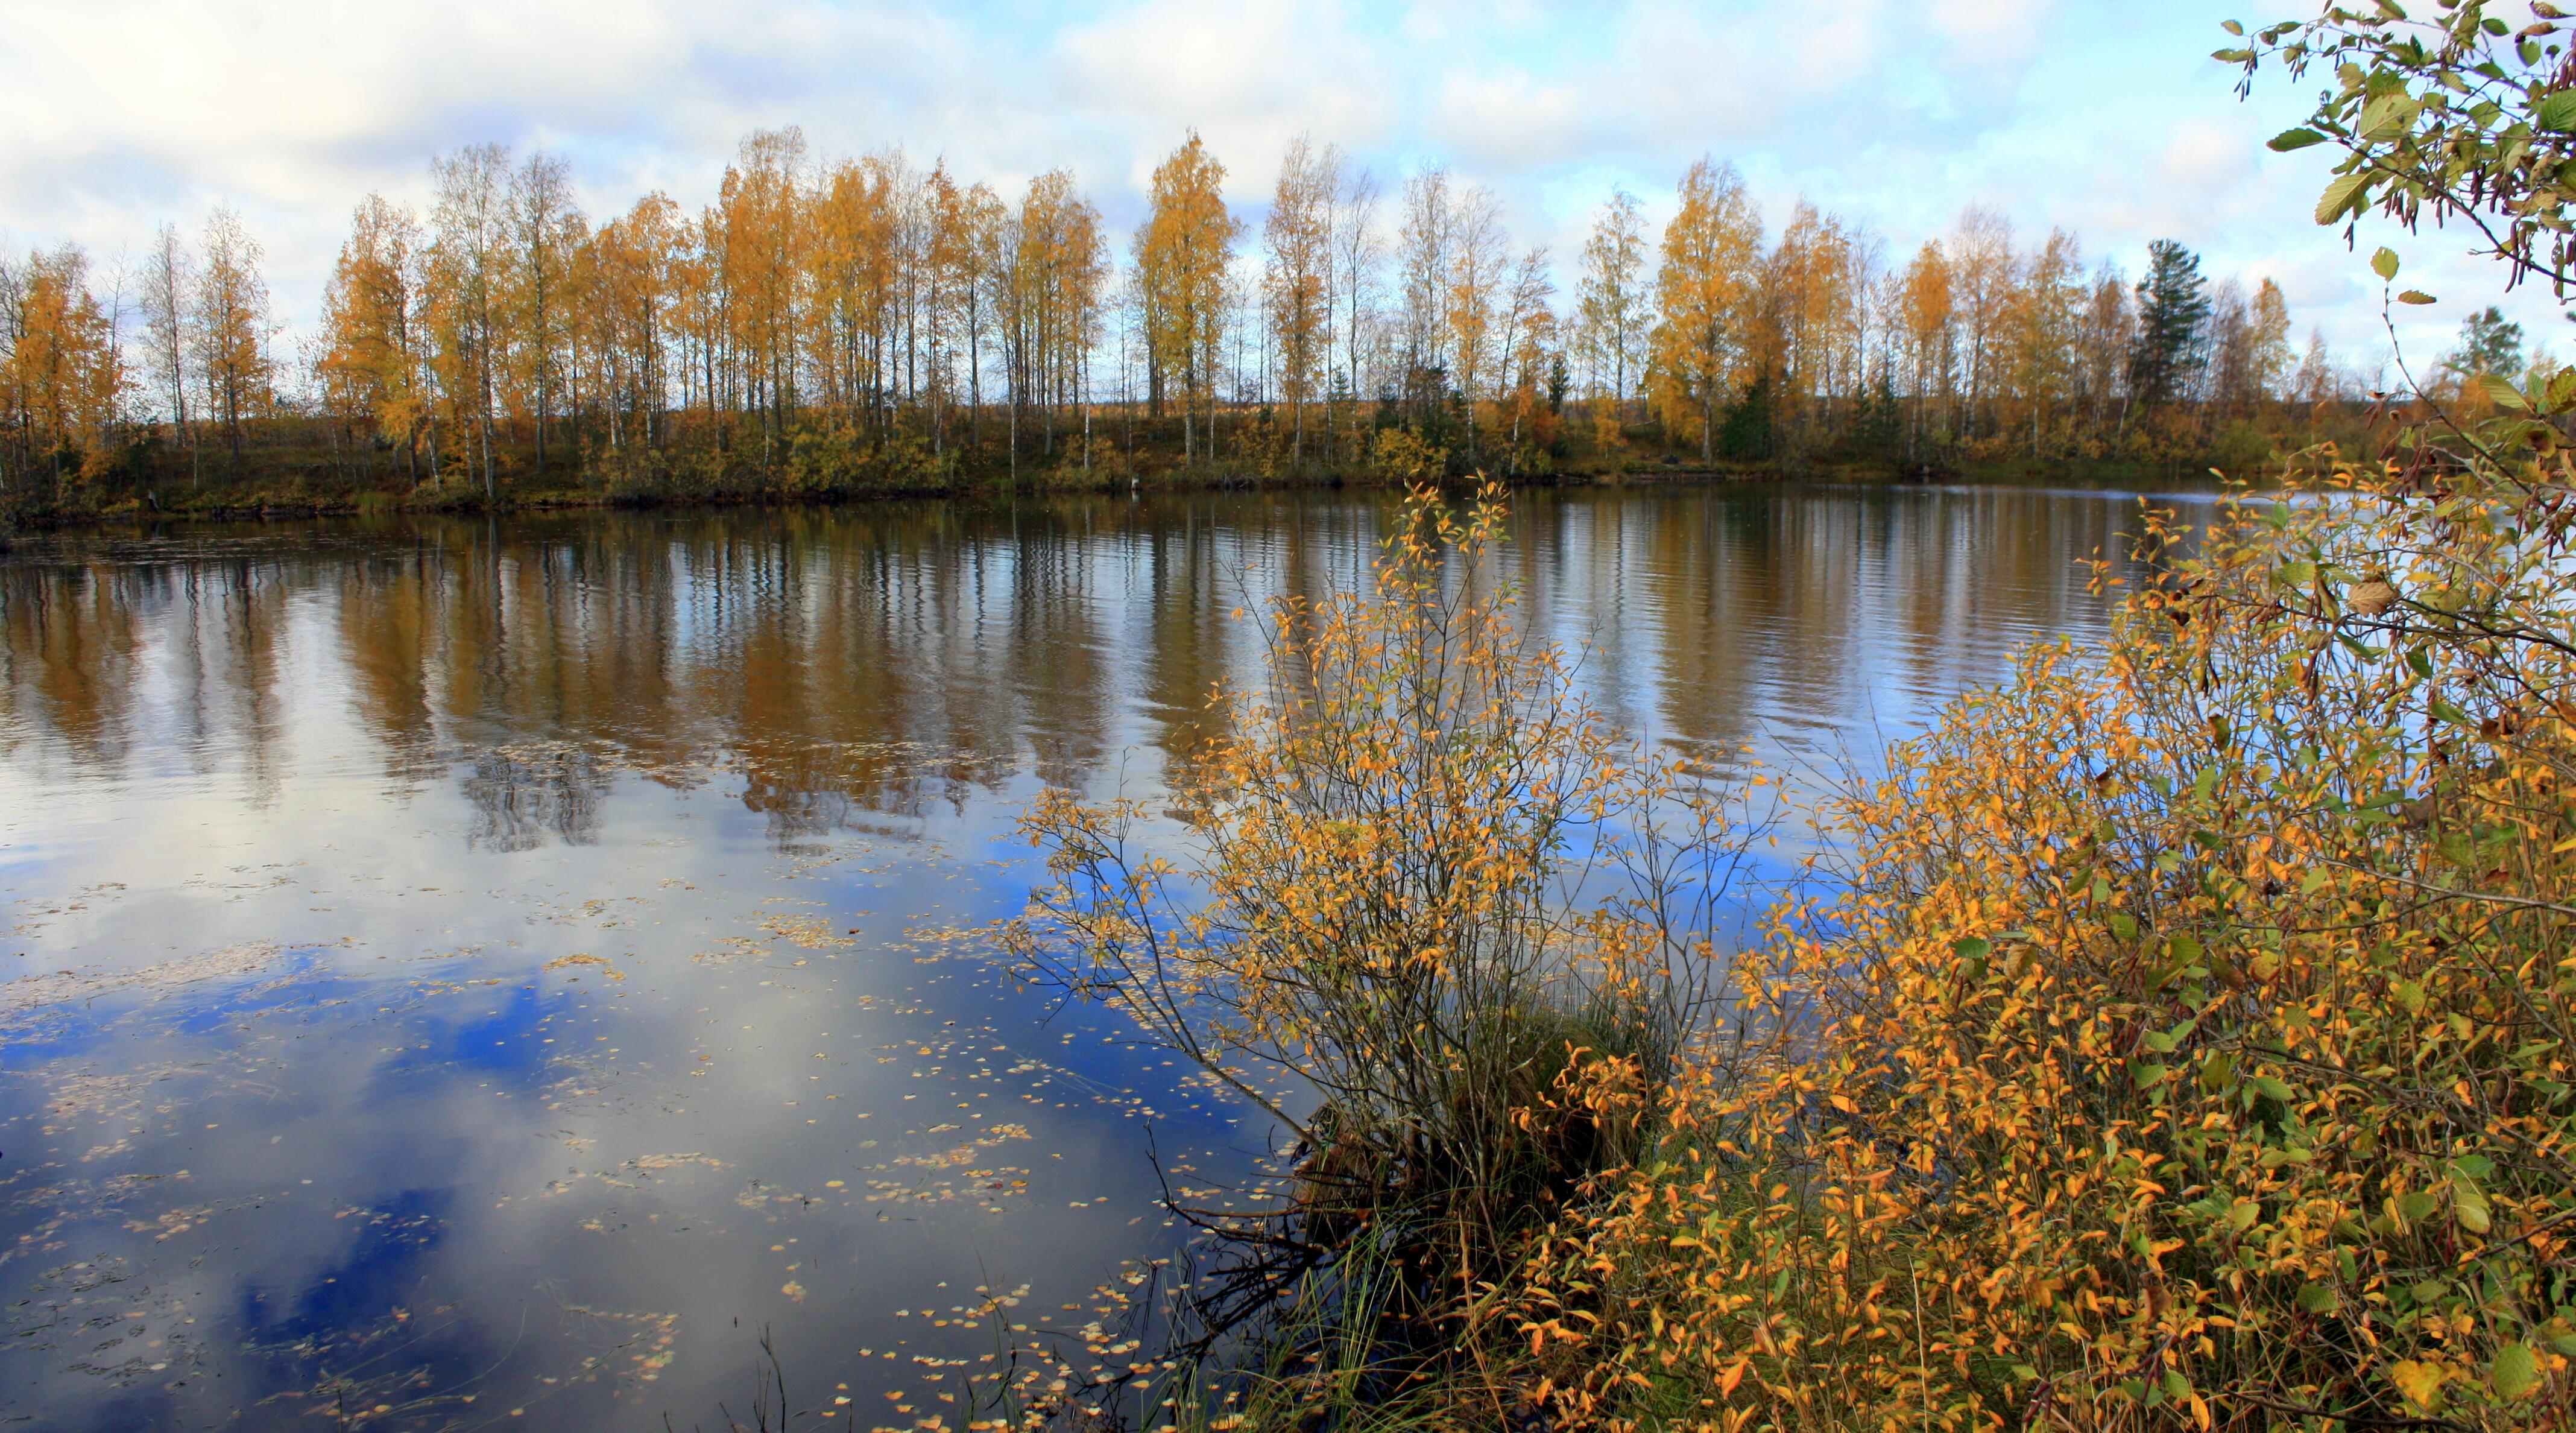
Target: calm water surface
471 973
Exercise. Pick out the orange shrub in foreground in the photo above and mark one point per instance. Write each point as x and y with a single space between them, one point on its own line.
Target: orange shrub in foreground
2193 1046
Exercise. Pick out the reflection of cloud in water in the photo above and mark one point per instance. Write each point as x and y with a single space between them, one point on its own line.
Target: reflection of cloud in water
322 855
62 987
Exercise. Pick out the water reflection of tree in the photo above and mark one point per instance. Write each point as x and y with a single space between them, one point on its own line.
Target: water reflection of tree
69 645
521 799
384 626
867 669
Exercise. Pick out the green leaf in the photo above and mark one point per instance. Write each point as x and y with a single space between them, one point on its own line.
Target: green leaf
2218 1072
2387 116
2384 263
2231 57
2502 392
2470 1207
2290 139
2347 194
1971 948
2231 27
2562 386
2319 1298
2516 1370
2415 296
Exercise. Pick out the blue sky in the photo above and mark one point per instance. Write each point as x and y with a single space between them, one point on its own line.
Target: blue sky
2105 117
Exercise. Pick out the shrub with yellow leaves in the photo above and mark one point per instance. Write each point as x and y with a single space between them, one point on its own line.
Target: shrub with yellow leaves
1418 890
2193 1045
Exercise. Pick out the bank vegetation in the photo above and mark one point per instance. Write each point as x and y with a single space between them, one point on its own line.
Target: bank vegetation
2186 1039
840 326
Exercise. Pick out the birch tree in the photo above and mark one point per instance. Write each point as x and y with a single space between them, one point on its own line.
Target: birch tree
1182 256
1612 307
231 326
1705 297
169 289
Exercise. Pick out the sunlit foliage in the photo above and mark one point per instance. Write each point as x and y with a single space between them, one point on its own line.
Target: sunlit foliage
835 324
1417 886
2190 1045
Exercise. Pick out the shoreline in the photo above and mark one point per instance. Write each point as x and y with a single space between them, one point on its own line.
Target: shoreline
282 506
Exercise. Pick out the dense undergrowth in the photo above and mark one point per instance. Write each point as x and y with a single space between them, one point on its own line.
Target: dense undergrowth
303 467
2187 1039
2192 1047
2189 1046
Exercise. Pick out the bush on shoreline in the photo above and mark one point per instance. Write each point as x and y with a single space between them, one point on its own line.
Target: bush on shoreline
2193 1045
2190 1043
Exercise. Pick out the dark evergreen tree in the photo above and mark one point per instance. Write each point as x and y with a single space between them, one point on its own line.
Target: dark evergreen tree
1878 425
1745 433
2173 311
2488 344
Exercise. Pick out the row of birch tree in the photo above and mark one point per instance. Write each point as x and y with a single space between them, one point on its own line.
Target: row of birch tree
879 302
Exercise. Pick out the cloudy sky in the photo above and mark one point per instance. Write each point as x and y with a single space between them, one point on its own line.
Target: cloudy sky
2103 116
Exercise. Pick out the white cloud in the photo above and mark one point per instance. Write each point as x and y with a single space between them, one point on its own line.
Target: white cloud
2100 115
1509 119
2012 22
1246 77
2203 157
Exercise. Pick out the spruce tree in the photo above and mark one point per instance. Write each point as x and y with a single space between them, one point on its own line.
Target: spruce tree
2488 344
2173 308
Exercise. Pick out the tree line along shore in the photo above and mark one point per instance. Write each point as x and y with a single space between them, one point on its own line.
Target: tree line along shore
830 328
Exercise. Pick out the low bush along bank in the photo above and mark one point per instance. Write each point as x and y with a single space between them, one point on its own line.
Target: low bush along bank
2190 1047
2186 1044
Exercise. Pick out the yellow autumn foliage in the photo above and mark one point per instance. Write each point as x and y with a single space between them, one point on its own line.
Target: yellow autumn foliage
1415 883
2189 1045
2192 1047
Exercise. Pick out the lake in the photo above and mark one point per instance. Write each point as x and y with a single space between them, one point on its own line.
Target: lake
480 972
